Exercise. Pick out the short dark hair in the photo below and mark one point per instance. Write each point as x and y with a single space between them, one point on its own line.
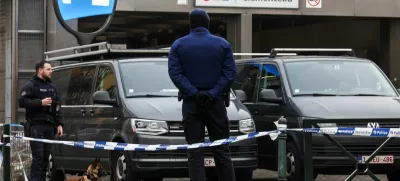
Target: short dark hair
40 64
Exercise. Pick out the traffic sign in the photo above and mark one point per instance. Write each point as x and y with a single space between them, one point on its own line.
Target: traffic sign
73 9
313 3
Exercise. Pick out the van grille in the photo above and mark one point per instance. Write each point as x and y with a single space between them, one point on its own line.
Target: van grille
364 125
355 150
176 128
236 151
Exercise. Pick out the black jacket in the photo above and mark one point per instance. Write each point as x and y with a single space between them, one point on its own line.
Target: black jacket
31 97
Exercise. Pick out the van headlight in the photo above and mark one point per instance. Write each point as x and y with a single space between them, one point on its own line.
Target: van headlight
247 126
149 127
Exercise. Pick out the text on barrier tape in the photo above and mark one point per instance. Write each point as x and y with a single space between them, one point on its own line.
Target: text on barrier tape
103 145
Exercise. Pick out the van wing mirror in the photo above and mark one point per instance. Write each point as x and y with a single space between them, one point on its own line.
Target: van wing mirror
102 97
269 95
241 95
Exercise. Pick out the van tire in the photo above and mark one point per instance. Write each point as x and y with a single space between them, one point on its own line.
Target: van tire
294 164
52 174
121 168
392 176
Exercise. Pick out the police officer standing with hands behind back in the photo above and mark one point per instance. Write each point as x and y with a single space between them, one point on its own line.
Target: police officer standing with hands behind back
203 68
40 99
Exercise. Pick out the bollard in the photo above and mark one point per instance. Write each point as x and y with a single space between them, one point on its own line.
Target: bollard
282 122
6 153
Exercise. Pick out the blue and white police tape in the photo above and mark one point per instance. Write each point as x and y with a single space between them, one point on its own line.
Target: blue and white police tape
351 131
103 145
12 125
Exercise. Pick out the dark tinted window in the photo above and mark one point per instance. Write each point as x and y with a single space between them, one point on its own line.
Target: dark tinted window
81 81
246 79
270 79
60 80
148 77
337 77
106 81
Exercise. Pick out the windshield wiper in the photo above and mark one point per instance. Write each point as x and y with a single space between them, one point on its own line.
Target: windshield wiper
364 95
316 94
151 95
321 94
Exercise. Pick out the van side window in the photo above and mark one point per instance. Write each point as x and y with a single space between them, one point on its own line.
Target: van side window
270 79
106 81
60 80
246 80
80 87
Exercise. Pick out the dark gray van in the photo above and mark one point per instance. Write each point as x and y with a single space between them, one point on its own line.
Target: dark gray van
319 84
118 98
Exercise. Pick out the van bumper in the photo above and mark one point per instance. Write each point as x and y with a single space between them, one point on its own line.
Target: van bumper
329 159
174 163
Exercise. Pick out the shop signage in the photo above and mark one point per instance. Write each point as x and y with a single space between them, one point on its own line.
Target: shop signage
286 4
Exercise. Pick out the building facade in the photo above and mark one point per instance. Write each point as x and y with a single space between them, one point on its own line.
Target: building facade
370 27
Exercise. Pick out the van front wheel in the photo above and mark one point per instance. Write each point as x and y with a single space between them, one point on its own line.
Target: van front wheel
293 163
52 174
392 176
121 168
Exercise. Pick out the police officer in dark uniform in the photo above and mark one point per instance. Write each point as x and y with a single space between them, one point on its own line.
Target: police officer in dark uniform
203 68
43 119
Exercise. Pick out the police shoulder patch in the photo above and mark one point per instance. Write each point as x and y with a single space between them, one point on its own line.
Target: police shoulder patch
23 93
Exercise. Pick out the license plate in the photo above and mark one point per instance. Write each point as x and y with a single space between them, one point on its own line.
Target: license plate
380 159
209 162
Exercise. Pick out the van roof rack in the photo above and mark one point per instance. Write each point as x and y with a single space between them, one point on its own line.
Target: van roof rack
263 54
105 50
314 51
98 51
250 54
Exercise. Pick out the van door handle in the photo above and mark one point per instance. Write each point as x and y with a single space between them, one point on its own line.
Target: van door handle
83 111
92 111
255 110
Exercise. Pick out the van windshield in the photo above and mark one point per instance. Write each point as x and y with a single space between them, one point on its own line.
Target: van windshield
335 77
147 78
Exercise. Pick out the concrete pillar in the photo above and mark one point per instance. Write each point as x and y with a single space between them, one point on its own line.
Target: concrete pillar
6 59
394 53
240 33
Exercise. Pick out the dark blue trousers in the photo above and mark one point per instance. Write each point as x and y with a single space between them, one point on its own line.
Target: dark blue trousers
214 117
40 151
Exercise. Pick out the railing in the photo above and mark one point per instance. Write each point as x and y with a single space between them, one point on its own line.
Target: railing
17 166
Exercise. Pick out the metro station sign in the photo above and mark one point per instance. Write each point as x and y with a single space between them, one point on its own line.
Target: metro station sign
73 9
66 10
282 4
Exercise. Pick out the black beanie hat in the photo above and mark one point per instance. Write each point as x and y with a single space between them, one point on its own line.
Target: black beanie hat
199 18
